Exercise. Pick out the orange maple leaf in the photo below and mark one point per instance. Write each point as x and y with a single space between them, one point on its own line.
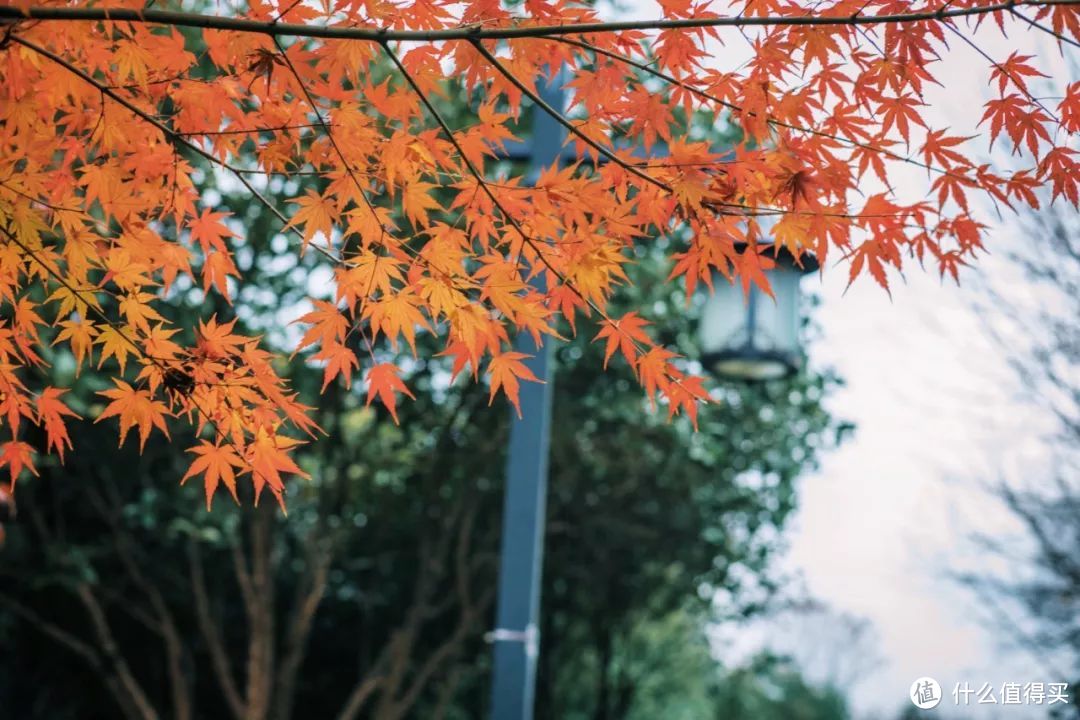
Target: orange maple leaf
505 369
624 335
383 382
216 463
16 455
135 408
51 412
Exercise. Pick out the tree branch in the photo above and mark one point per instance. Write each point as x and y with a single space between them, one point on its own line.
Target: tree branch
279 29
166 623
54 631
113 656
211 632
260 665
173 137
305 606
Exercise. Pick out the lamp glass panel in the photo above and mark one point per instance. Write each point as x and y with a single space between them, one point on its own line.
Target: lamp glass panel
723 319
778 321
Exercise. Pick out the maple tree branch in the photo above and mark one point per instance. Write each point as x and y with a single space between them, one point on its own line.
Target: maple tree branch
55 275
75 291
476 174
719 207
502 209
31 198
469 611
383 232
705 95
172 136
247 131
80 648
211 633
381 35
1004 70
564 121
1039 26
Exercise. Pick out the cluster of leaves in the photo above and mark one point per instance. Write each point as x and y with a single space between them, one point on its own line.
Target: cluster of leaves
109 116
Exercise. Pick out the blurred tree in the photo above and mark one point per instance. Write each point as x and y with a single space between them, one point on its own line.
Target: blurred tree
1036 599
773 688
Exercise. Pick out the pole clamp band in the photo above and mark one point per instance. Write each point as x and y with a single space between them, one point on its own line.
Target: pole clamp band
530 636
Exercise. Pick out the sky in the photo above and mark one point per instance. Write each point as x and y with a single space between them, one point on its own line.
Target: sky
937 409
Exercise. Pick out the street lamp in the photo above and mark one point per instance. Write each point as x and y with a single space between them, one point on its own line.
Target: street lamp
752 337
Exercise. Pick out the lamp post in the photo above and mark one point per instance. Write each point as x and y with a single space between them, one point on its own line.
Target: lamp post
742 338
750 336
516 636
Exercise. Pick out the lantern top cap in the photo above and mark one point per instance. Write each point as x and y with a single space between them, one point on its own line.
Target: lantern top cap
806 263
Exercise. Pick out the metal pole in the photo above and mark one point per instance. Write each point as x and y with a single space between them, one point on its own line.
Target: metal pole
516 636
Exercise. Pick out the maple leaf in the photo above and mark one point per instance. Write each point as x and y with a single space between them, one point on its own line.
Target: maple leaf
684 394
901 112
505 369
874 256
1011 114
137 311
1069 108
80 337
416 200
653 368
937 150
216 340
115 342
624 335
316 214
216 269
16 455
750 267
398 314
268 456
210 232
135 408
1013 70
340 360
50 413
217 463
367 273
328 325
1063 169
384 382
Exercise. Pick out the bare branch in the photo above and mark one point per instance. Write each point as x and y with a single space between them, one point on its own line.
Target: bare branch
211 633
520 30
54 631
113 655
359 697
305 606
